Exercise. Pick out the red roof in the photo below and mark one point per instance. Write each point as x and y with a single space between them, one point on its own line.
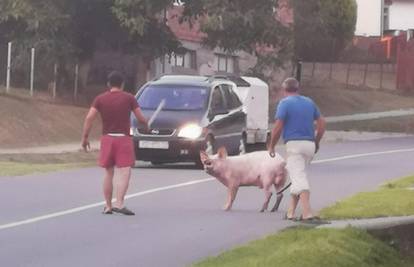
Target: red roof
192 33
184 31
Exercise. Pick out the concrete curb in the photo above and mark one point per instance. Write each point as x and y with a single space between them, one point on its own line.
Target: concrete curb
371 115
371 224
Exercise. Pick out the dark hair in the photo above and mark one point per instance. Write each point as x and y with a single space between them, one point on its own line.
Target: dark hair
115 79
291 85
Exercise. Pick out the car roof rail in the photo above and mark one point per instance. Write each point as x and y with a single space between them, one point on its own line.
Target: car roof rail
156 78
239 81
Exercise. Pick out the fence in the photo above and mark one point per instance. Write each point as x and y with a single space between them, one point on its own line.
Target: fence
377 76
23 71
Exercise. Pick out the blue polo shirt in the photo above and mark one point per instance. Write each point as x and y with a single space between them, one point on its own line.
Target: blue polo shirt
298 114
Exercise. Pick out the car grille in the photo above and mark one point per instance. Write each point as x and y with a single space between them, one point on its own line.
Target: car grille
157 132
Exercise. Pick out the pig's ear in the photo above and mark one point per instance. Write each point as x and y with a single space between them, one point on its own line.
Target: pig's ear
222 152
203 156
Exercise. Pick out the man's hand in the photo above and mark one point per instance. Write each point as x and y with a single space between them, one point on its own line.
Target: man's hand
147 128
316 147
271 150
86 145
87 128
320 130
274 137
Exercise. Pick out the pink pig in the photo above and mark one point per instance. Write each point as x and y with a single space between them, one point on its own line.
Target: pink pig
252 169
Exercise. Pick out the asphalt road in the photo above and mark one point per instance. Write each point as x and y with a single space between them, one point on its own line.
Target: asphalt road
55 219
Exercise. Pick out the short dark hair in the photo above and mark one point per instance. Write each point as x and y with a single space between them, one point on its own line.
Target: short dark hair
115 79
291 85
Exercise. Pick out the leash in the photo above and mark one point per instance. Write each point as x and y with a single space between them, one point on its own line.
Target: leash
280 197
284 188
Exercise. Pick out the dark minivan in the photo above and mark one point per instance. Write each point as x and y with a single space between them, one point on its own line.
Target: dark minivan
190 113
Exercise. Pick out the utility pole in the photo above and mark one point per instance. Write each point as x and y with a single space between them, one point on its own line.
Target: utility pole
8 67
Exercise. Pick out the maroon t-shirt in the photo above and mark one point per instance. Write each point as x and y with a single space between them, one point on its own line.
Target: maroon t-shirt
115 109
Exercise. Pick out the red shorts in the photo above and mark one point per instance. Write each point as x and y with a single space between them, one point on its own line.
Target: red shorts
116 151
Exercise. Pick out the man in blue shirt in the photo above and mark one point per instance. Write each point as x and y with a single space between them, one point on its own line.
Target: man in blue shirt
295 118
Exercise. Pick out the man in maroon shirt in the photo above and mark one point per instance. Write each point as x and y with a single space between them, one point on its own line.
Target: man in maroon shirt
117 147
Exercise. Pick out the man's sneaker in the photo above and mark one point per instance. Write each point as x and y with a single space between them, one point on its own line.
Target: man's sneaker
124 211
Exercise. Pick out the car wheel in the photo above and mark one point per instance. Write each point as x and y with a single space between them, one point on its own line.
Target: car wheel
243 145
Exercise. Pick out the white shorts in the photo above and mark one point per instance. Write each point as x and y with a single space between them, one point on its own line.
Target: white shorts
299 156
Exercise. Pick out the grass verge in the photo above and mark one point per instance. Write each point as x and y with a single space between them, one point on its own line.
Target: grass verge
395 198
19 169
303 247
311 247
23 164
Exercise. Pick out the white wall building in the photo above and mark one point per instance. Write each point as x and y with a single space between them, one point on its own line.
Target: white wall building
369 17
376 16
401 15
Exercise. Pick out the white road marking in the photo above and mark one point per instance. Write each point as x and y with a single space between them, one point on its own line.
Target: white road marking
94 205
363 155
170 187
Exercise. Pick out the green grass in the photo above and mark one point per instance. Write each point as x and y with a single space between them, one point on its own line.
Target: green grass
392 199
304 247
18 169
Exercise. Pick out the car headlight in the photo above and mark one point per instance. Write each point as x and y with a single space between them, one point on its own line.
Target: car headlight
190 131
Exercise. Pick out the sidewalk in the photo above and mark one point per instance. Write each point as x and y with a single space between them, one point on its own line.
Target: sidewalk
372 115
329 137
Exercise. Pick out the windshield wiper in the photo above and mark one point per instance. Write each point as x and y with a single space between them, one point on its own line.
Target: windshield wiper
155 114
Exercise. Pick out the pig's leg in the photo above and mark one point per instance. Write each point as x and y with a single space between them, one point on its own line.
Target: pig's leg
231 195
268 195
280 181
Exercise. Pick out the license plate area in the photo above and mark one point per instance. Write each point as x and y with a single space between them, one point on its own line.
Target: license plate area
153 144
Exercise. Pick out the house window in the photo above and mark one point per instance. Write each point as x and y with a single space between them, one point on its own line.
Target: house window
386 18
225 63
184 60
179 60
178 2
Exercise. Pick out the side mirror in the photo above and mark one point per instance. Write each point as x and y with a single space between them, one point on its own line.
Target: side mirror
216 112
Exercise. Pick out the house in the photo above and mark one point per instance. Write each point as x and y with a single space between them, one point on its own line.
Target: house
198 59
387 26
194 58
379 22
382 17
369 18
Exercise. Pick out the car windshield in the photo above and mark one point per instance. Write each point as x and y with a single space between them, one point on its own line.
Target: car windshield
176 97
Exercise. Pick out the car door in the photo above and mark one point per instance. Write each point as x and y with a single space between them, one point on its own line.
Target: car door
216 115
226 119
235 119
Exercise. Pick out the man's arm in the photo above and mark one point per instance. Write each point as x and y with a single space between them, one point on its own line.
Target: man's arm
140 117
87 125
275 136
320 130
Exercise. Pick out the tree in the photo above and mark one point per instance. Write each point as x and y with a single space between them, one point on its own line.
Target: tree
244 25
145 22
68 31
238 24
38 24
323 28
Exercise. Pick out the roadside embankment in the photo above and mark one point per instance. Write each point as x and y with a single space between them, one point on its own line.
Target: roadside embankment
380 240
